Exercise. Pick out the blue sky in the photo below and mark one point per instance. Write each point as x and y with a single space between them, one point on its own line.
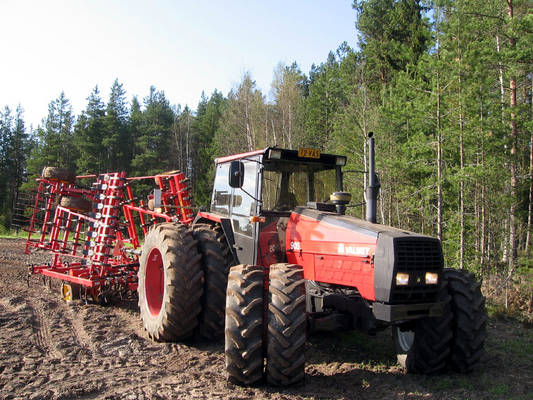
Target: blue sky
181 47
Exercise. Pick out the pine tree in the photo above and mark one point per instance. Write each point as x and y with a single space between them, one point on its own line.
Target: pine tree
6 135
134 126
116 139
54 140
90 135
18 150
205 126
325 97
155 139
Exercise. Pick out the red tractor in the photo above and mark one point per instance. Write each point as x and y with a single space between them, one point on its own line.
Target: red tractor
303 265
274 258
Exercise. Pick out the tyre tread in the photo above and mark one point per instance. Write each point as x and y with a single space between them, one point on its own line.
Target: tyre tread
244 324
183 283
287 323
216 262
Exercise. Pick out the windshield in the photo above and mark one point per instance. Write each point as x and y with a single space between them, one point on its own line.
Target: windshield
288 184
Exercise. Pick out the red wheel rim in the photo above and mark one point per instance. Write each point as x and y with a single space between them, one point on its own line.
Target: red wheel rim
154 286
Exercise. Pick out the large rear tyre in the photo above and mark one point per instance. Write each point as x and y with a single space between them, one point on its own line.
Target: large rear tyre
287 323
244 324
58 174
423 346
170 282
469 320
216 262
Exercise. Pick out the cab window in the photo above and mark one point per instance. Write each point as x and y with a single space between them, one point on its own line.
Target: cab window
244 203
287 185
221 200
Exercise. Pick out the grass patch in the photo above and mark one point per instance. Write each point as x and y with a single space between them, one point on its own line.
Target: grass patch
10 234
516 346
444 383
500 389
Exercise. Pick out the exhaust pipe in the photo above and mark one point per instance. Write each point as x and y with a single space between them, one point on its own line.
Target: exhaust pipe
373 183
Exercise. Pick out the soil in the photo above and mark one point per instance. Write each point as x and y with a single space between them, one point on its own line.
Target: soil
50 349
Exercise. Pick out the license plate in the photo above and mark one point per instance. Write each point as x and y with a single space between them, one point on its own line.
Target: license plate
308 153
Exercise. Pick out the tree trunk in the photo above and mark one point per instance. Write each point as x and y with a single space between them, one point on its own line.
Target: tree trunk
530 211
462 164
439 138
439 159
483 193
462 187
514 161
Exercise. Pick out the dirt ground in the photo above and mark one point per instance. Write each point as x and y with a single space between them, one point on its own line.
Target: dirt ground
53 350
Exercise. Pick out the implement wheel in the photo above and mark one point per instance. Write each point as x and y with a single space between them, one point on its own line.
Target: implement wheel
70 291
244 324
287 323
76 203
469 320
216 262
423 346
58 174
170 282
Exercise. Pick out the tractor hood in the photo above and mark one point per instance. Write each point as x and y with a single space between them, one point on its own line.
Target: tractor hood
345 250
349 223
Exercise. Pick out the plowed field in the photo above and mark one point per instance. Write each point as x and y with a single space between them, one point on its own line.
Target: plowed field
53 350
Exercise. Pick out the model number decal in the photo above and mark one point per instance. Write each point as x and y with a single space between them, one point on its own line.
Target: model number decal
353 250
296 246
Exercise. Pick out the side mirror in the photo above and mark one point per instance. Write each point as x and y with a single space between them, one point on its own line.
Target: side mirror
236 174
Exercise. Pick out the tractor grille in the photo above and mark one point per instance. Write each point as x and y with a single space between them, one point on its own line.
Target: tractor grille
416 256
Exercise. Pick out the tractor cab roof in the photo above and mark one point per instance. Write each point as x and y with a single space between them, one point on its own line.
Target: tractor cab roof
304 155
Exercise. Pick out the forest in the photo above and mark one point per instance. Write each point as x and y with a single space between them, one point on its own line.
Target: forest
445 85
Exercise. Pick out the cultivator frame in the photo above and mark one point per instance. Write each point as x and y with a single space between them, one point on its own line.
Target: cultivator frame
96 249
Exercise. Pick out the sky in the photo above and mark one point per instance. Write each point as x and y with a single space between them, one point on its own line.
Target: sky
182 47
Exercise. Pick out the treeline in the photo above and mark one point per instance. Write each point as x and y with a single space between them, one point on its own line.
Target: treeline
445 85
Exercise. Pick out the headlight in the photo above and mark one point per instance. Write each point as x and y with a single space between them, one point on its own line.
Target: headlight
432 278
402 279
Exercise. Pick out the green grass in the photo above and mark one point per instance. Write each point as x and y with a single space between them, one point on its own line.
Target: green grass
500 389
11 234
516 346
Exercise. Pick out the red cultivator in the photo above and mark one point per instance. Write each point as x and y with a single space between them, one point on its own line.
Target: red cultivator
92 229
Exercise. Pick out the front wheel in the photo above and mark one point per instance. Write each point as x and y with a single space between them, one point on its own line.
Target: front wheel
423 346
287 323
244 324
469 320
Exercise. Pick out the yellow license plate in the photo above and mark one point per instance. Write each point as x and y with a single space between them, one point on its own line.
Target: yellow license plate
308 153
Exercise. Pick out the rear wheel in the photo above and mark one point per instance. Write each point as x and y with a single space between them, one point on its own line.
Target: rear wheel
216 262
244 324
422 346
170 282
287 323
58 174
469 320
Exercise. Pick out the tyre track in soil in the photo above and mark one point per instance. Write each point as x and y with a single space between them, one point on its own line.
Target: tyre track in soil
41 330
75 321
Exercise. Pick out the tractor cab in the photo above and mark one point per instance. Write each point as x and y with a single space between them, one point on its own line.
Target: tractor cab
254 194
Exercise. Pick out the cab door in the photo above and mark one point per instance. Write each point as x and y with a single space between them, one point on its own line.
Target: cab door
243 206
